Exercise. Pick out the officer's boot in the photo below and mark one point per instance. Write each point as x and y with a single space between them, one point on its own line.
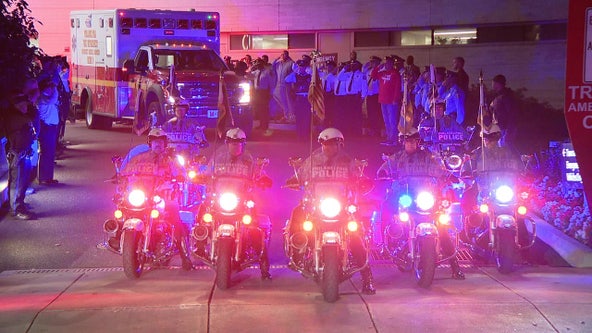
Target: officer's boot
264 266
183 246
457 273
367 282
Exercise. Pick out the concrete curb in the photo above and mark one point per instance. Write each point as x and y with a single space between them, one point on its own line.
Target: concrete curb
573 252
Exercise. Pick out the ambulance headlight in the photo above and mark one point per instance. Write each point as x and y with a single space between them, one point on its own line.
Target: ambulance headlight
246 96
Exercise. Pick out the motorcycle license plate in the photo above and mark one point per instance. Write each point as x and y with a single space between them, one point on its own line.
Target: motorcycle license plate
212 113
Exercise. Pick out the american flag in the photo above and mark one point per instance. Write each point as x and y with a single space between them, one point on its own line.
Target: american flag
223 108
315 93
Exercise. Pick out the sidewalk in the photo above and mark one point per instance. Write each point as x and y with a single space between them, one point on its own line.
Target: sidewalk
3 173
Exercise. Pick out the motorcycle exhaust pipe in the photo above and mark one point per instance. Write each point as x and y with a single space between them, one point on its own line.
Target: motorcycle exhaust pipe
110 226
299 240
200 233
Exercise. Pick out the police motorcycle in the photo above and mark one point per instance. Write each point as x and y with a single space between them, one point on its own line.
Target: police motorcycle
416 209
229 235
329 231
141 230
450 144
496 225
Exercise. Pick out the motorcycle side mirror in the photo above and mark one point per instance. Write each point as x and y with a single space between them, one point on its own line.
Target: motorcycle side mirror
261 161
295 161
200 159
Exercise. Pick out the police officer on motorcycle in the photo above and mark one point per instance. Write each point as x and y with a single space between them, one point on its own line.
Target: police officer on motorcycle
183 134
331 154
490 157
235 161
161 167
412 161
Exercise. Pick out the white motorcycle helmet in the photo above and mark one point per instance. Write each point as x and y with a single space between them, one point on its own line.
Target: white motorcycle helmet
157 133
492 132
331 134
236 135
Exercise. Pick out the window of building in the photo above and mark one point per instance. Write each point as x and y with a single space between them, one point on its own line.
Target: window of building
455 36
301 41
372 38
392 38
416 37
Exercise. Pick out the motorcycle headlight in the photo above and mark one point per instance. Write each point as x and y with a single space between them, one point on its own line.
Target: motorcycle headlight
454 161
136 198
405 201
504 194
330 207
228 201
246 96
425 200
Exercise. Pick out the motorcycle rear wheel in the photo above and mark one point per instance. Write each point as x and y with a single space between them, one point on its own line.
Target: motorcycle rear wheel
223 263
133 262
504 256
425 266
330 276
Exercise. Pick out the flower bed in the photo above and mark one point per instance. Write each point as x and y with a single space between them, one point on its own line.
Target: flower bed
563 207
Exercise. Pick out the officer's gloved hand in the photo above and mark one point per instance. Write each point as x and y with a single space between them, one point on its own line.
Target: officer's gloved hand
292 183
264 182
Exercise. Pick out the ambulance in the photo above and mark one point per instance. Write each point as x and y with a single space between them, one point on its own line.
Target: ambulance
139 65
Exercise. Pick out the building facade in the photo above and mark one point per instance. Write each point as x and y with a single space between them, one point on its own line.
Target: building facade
524 40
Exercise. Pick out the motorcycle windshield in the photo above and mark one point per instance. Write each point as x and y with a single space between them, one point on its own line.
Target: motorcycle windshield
329 189
231 184
412 184
493 179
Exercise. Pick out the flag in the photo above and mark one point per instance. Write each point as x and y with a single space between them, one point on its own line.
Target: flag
406 118
223 108
485 118
315 93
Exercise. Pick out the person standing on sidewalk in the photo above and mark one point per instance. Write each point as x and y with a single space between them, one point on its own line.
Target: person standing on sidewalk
389 97
49 113
262 76
282 67
20 132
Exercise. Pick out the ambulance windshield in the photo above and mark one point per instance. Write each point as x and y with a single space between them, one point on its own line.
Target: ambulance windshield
188 60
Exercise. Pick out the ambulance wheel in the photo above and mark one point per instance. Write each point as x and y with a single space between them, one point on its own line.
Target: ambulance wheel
94 121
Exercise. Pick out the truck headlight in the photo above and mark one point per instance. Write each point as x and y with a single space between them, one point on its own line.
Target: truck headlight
246 96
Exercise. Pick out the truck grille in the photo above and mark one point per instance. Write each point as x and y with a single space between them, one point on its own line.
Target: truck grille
203 96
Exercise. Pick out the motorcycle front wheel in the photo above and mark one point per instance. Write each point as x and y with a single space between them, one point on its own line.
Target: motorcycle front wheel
504 256
330 276
223 263
425 264
133 262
